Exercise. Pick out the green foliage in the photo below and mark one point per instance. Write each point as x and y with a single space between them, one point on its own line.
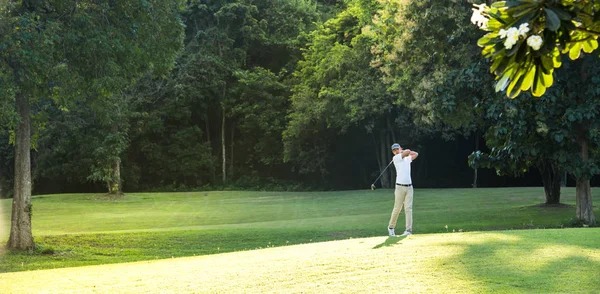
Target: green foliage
260 110
562 27
424 50
336 91
69 52
525 132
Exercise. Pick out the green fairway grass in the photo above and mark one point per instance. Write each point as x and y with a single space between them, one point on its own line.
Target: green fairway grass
524 261
87 229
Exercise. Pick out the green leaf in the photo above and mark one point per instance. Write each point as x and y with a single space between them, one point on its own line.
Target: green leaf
590 45
552 20
562 14
499 4
575 51
538 88
528 78
558 137
488 39
513 3
501 84
514 49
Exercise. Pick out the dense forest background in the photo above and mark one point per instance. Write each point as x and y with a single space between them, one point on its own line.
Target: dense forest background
284 95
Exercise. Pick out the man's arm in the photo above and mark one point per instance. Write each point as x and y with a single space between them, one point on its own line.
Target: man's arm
405 153
414 155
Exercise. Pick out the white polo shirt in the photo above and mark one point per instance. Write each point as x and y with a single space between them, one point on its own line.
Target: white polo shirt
402 169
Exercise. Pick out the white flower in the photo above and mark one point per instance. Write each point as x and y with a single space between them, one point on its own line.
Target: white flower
523 29
512 36
535 42
502 33
478 18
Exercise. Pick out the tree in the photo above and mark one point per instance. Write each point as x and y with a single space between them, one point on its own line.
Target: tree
525 42
426 53
526 38
82 145
559 130
337 92
226 39
519 140
61 50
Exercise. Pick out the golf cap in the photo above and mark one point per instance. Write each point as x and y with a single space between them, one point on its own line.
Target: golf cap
395 146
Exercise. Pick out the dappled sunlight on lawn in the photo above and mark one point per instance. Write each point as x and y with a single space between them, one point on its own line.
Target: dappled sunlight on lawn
540 261
356 265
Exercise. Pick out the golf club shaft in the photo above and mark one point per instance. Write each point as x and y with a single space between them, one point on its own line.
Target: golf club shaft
382 172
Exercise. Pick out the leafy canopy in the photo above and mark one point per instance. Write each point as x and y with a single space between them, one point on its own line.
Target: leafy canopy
526 38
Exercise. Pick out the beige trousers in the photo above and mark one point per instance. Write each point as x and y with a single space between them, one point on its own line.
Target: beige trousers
403 197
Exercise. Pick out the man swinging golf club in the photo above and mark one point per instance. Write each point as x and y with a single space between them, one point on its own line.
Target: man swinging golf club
403 193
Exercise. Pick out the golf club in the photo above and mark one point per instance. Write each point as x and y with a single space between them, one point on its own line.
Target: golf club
373 185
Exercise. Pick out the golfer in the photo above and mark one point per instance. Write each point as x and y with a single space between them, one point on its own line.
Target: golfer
403 193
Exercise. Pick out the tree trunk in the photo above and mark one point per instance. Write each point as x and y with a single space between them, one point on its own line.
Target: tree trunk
585 210
213 173
20 227
551 178
385 178
377 155
207 129
114 186
389 125
475 171
231 150
583 191
224 167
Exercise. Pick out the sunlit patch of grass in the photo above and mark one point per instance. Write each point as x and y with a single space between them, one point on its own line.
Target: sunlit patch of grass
540 261
531 261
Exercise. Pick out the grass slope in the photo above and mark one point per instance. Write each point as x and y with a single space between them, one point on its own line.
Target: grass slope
525 261
85 229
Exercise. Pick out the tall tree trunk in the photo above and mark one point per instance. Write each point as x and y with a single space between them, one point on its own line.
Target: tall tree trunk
231 150
207 128
583 191
389 125
207 125
585 210
114 186
377 155
551 178
224 167
476 148
20 227
385 178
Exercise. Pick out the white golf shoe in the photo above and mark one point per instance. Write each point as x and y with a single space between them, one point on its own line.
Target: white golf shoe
391 232
406 233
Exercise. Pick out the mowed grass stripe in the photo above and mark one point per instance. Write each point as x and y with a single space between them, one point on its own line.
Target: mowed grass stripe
83 213
527 261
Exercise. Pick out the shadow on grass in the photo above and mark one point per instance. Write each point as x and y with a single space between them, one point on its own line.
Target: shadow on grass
390 241
553 261
73 250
